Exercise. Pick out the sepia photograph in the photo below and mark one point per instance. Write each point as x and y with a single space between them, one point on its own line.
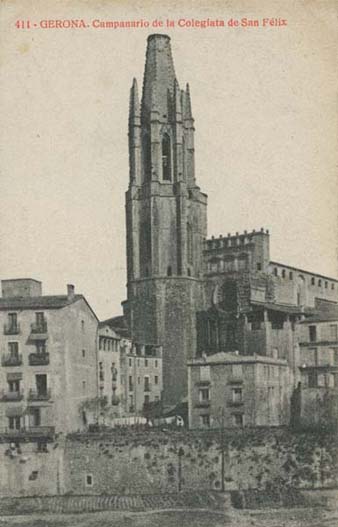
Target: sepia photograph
168 263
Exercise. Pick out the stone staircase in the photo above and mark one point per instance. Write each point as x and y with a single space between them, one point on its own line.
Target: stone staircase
134 503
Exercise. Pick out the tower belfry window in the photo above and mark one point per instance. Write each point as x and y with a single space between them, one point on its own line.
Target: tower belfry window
166 161
190 244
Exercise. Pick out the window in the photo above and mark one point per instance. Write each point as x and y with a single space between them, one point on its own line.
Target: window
313 281
275 271
146 362
333 332
156 379
12 322
319 283
237 395
82 325
169 270
138 380
146 399
237 370
130 383
156 363
146 384
131 403
259 266
138 362
35 416
204 394
326 285
83 353
205 420
238 419
83 386
42 447
14 423
332 286
291 275
89 480
13 348
14 386
41 384
130 362
190 245
312 379
101 372
312 333
40 346
205 373
283 273
40 322
166 158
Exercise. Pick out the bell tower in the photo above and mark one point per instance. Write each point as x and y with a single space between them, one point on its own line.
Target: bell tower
166 218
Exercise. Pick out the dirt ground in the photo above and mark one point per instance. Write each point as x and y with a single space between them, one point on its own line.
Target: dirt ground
309 517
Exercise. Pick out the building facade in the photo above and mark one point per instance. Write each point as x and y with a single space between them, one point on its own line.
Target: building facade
109 372
316 395
48 359
229 389
141 378
166 218
192 295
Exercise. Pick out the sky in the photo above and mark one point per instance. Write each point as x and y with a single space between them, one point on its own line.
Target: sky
264 101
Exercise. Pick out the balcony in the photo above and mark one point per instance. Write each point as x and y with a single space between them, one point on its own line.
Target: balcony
235 404
33 432
11 329
36 395
234 379
203 382
39 327
9 359
202 404
115 400
38 359
7 396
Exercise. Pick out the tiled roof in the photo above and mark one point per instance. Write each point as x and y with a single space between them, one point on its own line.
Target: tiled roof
331 278
232 357
324 313
118 324
37 302
278 307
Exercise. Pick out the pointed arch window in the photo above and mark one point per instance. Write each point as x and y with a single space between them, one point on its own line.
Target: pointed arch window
190 244
146 152
166 158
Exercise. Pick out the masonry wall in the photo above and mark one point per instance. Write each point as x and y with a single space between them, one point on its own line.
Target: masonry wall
26 472
131 461
163 312
148 462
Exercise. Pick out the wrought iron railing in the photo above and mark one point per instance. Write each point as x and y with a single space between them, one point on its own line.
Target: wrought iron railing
39 395
10 359
39 327
38 359
11 329
6 395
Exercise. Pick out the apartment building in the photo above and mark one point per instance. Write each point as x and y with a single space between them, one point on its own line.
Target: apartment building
48 359
233 390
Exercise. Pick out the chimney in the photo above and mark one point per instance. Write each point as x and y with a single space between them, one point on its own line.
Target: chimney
70 291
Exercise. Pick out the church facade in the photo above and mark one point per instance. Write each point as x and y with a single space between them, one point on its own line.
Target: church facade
195 296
